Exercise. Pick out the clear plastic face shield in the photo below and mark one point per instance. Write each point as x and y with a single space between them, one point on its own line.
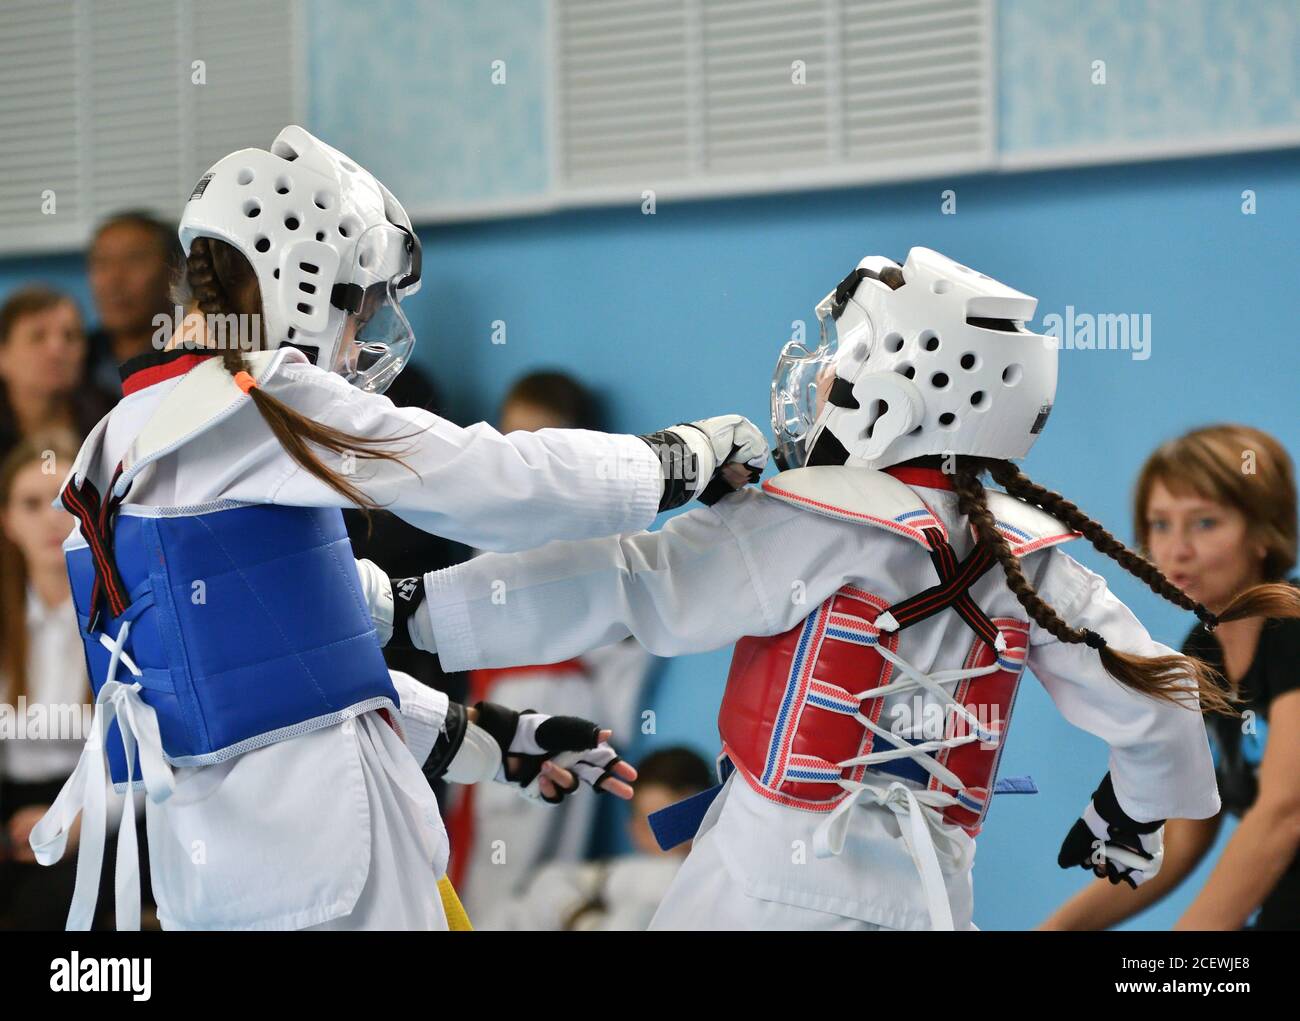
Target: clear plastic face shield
377 338
800 386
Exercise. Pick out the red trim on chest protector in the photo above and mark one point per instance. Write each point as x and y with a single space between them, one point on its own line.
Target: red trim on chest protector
930 478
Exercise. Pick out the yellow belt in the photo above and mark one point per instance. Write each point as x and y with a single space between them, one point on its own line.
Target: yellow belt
457 920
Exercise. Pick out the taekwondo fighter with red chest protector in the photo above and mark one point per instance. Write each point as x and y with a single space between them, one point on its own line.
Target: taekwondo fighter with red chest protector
884 606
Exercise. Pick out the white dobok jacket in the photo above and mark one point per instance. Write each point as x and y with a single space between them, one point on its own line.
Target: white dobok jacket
757 564
338 826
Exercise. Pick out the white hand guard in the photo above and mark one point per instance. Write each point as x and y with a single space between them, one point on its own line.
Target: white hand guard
1110 843
720 440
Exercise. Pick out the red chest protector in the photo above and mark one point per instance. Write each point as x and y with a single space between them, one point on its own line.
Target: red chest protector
798 705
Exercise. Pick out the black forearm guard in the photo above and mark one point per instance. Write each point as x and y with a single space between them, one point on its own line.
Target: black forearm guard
448 743
679 464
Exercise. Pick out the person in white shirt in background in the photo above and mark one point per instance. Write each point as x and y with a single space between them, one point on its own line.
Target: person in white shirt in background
884 606
499 840
43 684
226 625
612 894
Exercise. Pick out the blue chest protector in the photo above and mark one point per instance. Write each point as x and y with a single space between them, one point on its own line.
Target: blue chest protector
209 630
247 626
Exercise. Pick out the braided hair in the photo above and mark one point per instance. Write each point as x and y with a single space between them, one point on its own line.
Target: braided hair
221 282
1163 677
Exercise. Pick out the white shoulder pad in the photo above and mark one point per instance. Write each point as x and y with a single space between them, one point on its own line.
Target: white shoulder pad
861 495
869 497
84 460
205 396
1026 528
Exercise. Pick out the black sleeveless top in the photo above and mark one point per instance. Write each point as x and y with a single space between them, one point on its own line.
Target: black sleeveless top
1238 743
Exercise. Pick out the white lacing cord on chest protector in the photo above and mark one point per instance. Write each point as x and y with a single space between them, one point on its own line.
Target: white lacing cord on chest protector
920 811
87 788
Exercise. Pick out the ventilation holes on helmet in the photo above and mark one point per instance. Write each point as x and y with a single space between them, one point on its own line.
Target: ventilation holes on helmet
292 331
939 380
878 408
1011 375
365 259
320 235
291 222
977 399
309 267
282 185
345 228
930 342
304 308
941 286
909 371
349 167
245 175
252 209
969 360
262 244
276 273
893 343
306 287
947 419
323 199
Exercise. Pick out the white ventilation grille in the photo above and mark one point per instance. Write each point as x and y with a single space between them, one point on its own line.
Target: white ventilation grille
713 96
99 111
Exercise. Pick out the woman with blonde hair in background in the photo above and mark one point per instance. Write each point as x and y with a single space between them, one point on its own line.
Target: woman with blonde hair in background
1216 511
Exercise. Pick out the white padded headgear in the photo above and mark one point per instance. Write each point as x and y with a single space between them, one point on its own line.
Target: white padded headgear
302 214
942 364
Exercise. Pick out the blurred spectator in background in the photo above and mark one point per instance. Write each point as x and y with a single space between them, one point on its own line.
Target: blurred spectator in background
620 893
1215 510
42 361
43 686
548 400
498 839
133 258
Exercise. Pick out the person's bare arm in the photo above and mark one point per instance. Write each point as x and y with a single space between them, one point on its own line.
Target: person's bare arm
1265 843
1102 904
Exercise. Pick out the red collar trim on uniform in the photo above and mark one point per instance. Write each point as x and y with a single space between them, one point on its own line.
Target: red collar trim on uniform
930 478
155 366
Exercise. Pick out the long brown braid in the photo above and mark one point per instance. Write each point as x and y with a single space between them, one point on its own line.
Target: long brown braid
1163 677
222 282
1019 485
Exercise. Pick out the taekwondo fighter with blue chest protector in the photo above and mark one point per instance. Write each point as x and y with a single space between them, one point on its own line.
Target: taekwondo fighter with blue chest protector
237 670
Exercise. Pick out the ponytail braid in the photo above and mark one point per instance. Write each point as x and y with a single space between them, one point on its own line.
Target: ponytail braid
1274 600
1162 677
1020 486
